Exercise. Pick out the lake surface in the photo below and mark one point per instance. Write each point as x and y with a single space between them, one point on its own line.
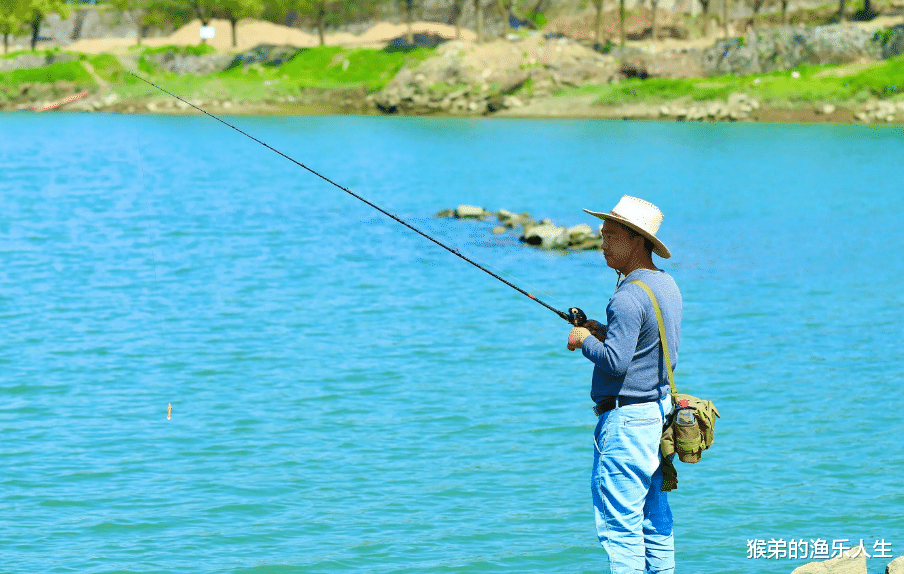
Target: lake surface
348 397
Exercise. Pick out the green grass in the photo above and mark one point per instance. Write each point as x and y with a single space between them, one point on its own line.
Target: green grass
332 67
321 67
68 71
325 67
54 50
195 50
883 80
107 67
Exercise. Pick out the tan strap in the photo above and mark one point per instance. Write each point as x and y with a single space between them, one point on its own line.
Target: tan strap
665 345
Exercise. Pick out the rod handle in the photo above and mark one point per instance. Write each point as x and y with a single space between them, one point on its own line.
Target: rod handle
579 319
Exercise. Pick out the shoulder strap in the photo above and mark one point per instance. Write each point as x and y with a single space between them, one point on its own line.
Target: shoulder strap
665 345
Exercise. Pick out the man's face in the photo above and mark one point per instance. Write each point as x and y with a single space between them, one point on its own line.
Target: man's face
617 245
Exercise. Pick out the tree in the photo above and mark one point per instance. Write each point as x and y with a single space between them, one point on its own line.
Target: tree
478 16
203 10
505 8
756 6
867 13
707 22
598 24
12 21
163 13
458 11
38 10
621 21
408 5
725 16
842 16
235 10
136 10
318 9
654 30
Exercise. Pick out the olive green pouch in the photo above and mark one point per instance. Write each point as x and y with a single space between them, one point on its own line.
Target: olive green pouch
689 442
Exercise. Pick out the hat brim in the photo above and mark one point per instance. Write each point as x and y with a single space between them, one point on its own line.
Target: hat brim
659 247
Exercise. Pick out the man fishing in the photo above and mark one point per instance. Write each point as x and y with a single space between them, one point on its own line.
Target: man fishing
630 385
631 390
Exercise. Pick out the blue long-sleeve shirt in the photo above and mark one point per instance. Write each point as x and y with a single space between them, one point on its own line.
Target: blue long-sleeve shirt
630 363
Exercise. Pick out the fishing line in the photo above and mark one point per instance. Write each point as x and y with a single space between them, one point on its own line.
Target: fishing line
151 241
574 316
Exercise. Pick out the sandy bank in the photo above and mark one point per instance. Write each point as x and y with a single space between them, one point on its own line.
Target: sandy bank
251 33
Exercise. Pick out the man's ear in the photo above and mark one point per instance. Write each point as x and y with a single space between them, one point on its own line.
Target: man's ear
639 241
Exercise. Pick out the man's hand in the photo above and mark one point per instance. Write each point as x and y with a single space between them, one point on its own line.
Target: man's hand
576 338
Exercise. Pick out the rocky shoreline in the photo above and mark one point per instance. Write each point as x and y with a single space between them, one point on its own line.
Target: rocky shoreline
534 76
737 108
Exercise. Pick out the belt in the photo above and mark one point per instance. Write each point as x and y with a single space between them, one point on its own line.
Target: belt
606 405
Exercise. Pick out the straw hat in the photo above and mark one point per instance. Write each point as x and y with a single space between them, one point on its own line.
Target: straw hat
641 216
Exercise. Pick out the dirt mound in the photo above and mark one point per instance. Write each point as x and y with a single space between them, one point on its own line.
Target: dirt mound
101 45
251 33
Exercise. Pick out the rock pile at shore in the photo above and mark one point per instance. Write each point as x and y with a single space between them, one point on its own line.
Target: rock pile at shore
880 112
177 63
543 234
34 60
500 75
736 107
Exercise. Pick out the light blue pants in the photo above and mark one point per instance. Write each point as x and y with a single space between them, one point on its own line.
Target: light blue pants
633 519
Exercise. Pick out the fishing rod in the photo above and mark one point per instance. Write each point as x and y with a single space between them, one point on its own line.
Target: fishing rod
574 316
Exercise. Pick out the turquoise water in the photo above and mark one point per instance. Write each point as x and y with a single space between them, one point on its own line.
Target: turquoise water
348 397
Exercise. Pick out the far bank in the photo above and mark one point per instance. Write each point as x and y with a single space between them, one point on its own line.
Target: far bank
529 76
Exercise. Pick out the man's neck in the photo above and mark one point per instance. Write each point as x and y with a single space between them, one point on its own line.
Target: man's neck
635 265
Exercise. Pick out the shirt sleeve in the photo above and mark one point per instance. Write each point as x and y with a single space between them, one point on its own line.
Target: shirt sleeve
624 317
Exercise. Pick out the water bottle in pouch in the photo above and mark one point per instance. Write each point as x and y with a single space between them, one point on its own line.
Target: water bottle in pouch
688 440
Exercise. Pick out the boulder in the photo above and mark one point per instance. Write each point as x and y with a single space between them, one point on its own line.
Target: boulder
786 47
579 233
665 64
177 63
896 566
892 41
851 561
512 220
470 212
266 54
462 78
419 40
546 236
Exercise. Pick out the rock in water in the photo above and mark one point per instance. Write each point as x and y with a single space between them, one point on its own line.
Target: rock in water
579 233
546 235
470 212
851 561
